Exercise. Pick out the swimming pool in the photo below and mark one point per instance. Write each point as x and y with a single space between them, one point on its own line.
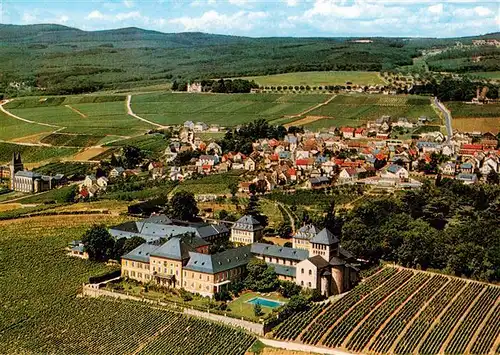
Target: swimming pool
264 302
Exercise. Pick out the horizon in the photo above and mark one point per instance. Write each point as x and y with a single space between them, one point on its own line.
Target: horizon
243 36
260 19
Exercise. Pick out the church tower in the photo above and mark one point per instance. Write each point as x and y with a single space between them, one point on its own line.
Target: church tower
16 164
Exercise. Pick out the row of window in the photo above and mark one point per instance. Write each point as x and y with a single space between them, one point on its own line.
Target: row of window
308 284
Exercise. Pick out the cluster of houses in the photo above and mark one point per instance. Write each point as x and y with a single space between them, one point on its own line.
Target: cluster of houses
177 254
346 155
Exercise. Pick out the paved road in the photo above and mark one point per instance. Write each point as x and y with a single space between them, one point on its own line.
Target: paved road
447 118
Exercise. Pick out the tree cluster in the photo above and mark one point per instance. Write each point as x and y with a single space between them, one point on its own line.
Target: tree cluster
221 86
241 139
101 246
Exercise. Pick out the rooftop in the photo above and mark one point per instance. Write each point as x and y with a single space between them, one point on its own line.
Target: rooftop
215 263
279 251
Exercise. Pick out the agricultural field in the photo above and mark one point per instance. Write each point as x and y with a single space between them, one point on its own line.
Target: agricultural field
492 75
66 168
464 110
479 124
88 115
41 313
33 154
154 144
12 129
222 109
318 78
356 110
402 311
72 140
217 184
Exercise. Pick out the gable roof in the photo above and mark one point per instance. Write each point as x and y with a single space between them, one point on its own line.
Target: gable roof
226 260
279 251
306 232
324 237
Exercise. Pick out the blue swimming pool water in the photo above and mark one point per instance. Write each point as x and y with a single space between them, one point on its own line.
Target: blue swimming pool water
264 302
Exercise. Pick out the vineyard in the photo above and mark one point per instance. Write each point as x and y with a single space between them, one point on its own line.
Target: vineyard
42 315
355 110
32 154
227 110
401 311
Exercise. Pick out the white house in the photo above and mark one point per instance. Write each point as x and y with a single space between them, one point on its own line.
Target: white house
249 164
102 182
395 172
200 127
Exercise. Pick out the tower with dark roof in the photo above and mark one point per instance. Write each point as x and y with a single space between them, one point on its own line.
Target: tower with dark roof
16 164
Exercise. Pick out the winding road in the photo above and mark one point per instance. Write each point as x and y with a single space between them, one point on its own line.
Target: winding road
131 113
24 119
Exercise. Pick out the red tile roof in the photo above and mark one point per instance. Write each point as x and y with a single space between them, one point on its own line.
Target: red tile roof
347 129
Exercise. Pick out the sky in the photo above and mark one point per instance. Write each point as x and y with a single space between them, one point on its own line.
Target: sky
264 18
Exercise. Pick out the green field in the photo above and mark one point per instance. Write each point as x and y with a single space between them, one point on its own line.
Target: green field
42 315
33 154
493 75
222 109
153 143
463 110
95 115
355 110
217 184
10 128
318 78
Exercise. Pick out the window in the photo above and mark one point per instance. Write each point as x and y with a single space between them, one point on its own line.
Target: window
126 263
200 276
132 273
309 284
208 278
310 272
302 283
139 275
301 271
133 264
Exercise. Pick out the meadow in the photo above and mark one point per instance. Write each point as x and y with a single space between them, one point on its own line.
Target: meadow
41 313
12 129
355 110
222 109
318 78
89 115
154 144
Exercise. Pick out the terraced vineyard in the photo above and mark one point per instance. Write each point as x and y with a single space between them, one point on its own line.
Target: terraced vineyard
401 311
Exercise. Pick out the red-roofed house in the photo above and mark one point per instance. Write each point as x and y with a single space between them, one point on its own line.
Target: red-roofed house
359 133
347 132
305 164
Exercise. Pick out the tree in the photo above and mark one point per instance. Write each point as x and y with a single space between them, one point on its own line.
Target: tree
98 243
257 310
260 276
289 289
493 178
233 188
183 206
132 156
124 246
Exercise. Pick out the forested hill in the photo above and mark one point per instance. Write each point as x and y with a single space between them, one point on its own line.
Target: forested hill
60 59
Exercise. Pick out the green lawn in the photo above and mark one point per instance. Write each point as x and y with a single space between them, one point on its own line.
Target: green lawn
222 109
319 78
355 110
217 184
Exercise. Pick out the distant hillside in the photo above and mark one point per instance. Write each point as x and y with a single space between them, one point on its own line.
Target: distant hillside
64 60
